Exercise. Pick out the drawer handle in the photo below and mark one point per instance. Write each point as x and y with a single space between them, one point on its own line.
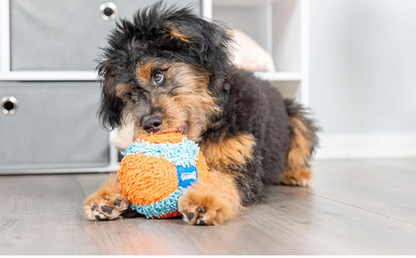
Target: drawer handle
8 105
108 11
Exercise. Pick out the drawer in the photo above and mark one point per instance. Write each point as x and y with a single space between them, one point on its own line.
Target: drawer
49 35
54 125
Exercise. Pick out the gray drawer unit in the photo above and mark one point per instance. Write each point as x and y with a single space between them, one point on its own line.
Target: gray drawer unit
54 125
48 35
49 126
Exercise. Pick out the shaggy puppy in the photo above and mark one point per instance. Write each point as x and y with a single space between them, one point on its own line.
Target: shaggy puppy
167 70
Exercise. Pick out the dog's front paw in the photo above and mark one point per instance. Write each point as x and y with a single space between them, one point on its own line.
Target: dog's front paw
205 207
104 205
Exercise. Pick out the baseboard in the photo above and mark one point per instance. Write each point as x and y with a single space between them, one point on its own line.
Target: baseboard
366 145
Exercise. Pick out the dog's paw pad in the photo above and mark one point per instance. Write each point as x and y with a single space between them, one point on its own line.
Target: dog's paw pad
105 207
198 216
203 208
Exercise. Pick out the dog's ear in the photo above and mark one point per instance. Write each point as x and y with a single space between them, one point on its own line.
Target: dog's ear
215 46
112 103
171 32
208 43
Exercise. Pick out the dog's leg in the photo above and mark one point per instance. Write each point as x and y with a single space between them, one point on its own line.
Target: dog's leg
108 202
297 172
303 142
211 202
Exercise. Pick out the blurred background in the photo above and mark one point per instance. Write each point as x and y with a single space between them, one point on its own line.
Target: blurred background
351 61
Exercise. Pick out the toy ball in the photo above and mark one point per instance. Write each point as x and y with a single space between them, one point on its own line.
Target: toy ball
157 169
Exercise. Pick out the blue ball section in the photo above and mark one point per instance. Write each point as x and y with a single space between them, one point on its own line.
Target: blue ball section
181 154
186 175
157 209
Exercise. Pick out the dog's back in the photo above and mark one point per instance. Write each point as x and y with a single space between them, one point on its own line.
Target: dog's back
285 136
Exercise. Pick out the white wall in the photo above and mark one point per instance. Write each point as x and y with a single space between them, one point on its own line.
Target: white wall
363 76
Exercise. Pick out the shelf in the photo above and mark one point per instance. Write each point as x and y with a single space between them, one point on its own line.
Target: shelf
111 167
230 3
279 76
49 76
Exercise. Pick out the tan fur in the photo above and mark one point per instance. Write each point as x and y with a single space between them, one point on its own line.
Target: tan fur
296 171
188 75
300 145
173 32
109 192
214 201
297 177
144 71
229 152
123 90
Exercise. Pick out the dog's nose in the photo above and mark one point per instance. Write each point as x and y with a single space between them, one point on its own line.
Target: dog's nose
153 124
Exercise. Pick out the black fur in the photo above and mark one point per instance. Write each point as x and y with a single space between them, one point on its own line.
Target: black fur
248 104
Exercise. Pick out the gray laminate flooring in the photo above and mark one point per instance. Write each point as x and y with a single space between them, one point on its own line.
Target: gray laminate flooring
353 207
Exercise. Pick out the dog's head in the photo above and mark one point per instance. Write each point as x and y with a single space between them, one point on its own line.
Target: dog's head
157 71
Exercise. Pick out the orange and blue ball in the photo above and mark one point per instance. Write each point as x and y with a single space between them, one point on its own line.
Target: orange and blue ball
157 169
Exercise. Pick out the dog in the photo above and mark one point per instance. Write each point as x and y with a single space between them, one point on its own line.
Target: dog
170 70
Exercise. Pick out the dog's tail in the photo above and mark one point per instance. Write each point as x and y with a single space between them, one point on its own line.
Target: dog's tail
304 137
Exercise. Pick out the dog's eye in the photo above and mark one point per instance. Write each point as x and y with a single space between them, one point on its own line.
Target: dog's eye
158 77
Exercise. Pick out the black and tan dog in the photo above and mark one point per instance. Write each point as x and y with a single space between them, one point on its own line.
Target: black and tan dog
168 69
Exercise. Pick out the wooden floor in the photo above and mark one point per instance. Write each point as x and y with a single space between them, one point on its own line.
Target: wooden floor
353 207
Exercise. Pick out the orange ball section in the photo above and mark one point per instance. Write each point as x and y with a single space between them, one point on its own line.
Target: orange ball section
162 138
146 180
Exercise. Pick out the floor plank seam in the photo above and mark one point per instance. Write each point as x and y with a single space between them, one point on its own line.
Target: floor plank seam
82 189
